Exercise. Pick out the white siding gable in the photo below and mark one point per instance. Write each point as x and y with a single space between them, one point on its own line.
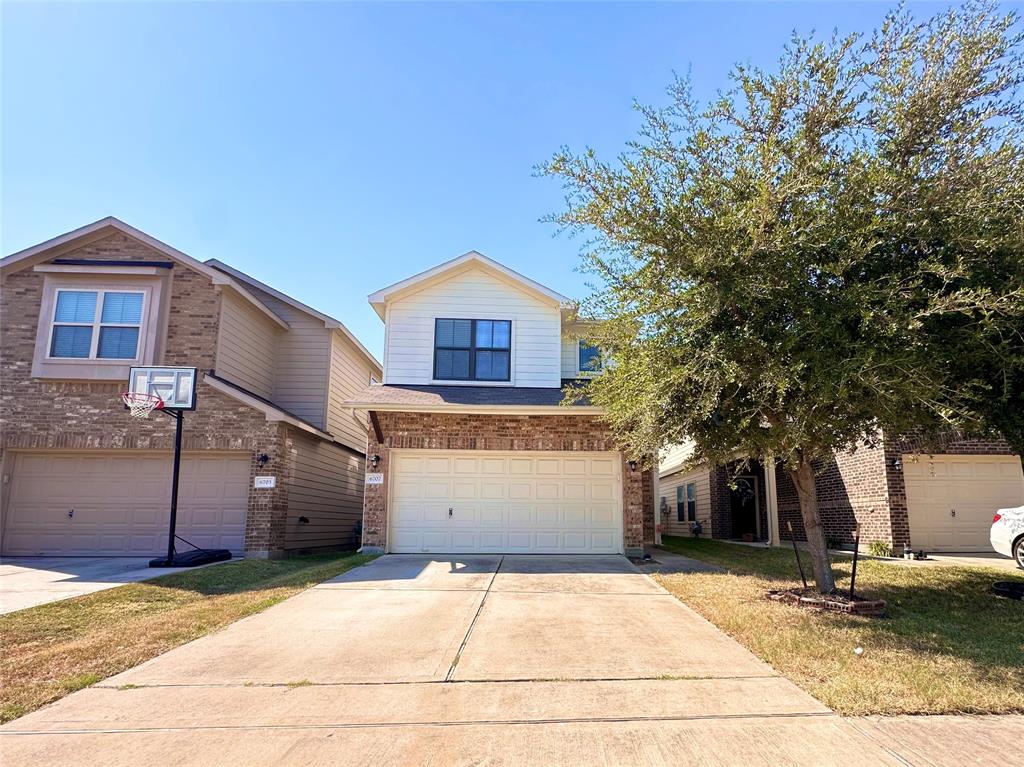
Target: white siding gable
473 294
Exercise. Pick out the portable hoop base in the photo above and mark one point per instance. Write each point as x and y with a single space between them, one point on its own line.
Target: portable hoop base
192 558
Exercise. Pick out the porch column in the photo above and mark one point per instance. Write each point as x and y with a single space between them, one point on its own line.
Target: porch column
772 499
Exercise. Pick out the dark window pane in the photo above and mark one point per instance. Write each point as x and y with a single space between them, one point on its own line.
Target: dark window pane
590 357
483 366
118 343
71 341
492 366
445 333
501 365
75 306
460 365
680 505
463 333
123 308
502 334
443 364
484 333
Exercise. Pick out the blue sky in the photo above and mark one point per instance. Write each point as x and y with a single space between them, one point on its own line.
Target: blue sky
330 149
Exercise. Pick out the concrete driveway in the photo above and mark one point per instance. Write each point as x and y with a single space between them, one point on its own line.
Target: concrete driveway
452 661
30 581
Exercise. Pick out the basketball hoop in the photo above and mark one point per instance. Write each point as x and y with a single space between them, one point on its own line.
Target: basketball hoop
140 404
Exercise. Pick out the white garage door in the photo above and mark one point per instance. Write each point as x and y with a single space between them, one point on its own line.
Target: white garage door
951 498
103 504
478 501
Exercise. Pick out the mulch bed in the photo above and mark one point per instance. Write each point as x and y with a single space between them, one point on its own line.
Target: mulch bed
834 603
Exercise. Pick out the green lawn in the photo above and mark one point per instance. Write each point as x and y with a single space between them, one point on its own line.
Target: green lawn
947 645
55 649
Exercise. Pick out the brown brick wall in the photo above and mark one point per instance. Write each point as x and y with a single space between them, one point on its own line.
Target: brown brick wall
42 414
865 487
851 489
436 431
649 505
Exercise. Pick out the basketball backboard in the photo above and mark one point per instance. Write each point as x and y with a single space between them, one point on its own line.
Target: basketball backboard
175 386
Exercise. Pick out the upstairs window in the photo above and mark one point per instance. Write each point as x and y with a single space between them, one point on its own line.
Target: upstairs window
96 324
472 350
590 358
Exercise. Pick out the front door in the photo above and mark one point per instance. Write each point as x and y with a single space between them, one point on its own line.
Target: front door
743 505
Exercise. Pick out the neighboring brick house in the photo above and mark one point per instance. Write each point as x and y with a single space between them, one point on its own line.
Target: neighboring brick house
82 478
471 449
940 502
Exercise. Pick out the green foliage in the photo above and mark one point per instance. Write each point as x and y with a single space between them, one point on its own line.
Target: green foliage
829 249
879 549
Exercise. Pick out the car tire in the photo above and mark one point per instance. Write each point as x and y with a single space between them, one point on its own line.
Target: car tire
1018 552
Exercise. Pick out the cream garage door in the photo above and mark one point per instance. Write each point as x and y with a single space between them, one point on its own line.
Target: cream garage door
482 502
951 498
104 504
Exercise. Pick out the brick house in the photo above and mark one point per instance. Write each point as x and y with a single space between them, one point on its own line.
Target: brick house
470 446
941 502
82 478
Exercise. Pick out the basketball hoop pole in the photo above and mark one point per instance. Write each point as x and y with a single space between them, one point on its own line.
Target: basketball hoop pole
179 418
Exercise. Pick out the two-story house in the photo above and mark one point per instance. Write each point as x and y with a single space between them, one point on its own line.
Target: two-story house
79 477
470 447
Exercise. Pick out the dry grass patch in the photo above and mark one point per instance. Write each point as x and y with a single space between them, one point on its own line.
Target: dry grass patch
55 649
947 646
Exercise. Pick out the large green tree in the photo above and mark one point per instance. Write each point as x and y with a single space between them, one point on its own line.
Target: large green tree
832 248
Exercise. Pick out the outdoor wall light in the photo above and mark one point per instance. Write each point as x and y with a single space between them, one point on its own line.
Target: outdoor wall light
632 465
262 459
374 460
303 520
897 463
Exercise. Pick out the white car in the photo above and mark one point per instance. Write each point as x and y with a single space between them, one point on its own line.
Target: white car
1007 533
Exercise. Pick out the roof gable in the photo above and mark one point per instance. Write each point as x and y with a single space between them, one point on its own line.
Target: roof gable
467 261
98 230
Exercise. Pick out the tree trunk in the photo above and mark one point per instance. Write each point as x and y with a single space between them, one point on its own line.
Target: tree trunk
803 478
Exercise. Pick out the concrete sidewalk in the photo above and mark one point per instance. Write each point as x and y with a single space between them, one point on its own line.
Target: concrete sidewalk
455 661
30 581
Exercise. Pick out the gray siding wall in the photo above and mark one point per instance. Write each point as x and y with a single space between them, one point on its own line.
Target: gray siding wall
350 374
303 362
247 343
326 488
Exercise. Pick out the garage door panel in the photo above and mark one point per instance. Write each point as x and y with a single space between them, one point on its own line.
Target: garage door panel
511 502
441 466
951 498
520 466
121 503
547 491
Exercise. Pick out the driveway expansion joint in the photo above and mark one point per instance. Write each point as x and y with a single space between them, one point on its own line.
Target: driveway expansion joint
434 723
472 623
413 682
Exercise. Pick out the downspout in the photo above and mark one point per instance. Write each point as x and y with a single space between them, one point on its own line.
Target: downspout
772 498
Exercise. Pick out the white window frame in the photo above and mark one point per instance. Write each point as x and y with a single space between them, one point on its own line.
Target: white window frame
96 325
